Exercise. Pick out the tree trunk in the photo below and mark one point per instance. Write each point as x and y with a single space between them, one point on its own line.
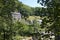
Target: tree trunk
4 36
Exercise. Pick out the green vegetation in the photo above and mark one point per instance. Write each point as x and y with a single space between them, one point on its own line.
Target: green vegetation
50 17
53 8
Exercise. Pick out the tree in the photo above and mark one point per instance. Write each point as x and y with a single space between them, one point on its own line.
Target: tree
6 6
53 8
37 11
40 11
36 30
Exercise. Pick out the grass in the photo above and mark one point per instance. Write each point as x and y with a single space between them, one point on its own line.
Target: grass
33 17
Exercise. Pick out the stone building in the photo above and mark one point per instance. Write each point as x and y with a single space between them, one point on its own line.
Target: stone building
16 16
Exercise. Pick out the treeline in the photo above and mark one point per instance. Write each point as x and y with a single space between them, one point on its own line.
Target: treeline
29 11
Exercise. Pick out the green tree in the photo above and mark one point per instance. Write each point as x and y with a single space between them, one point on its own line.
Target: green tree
37 11
53 8
36 30
40 11
6 6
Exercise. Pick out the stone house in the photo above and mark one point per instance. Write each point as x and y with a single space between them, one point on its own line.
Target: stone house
16 16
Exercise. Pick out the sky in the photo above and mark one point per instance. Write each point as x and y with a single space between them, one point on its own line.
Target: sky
31 3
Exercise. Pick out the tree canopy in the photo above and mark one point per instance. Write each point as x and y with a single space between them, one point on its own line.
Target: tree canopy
53 8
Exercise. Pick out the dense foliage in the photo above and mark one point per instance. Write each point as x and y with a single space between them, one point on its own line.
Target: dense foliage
53 9
50 16
6 7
